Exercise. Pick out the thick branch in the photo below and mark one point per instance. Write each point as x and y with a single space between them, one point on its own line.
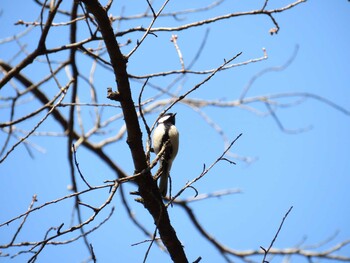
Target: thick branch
147 187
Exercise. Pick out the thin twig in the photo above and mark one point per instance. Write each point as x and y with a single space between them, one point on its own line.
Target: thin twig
150 245
78 168
202 82
34 199
63 90
177 48
148 130
149 29
205 171
266 251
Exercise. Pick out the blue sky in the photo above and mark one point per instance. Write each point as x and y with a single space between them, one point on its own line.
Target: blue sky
307 170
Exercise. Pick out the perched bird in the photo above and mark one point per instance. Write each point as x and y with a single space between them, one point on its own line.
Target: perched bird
165 131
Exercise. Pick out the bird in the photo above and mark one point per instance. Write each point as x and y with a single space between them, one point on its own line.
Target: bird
165 131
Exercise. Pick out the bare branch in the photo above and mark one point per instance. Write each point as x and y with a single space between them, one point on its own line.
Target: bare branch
39 50
214 19
205 171
203 72
77 165
174 40
149 29
34 199
63 91
103 48
266 251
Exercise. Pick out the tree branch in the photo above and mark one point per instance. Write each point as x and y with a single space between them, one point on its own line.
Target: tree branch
147 186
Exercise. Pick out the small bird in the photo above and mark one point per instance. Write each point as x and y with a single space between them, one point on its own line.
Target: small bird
165 131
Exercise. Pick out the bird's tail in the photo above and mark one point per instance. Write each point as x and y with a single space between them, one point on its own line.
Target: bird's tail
164 169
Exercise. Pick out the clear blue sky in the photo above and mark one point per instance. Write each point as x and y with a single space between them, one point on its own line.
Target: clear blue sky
309 170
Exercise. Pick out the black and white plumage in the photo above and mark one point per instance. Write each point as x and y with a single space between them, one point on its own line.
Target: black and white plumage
165 131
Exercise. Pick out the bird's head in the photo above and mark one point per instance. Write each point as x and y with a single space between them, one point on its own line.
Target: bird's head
167 118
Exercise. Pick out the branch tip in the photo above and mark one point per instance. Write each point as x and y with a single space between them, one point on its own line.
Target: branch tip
59 229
